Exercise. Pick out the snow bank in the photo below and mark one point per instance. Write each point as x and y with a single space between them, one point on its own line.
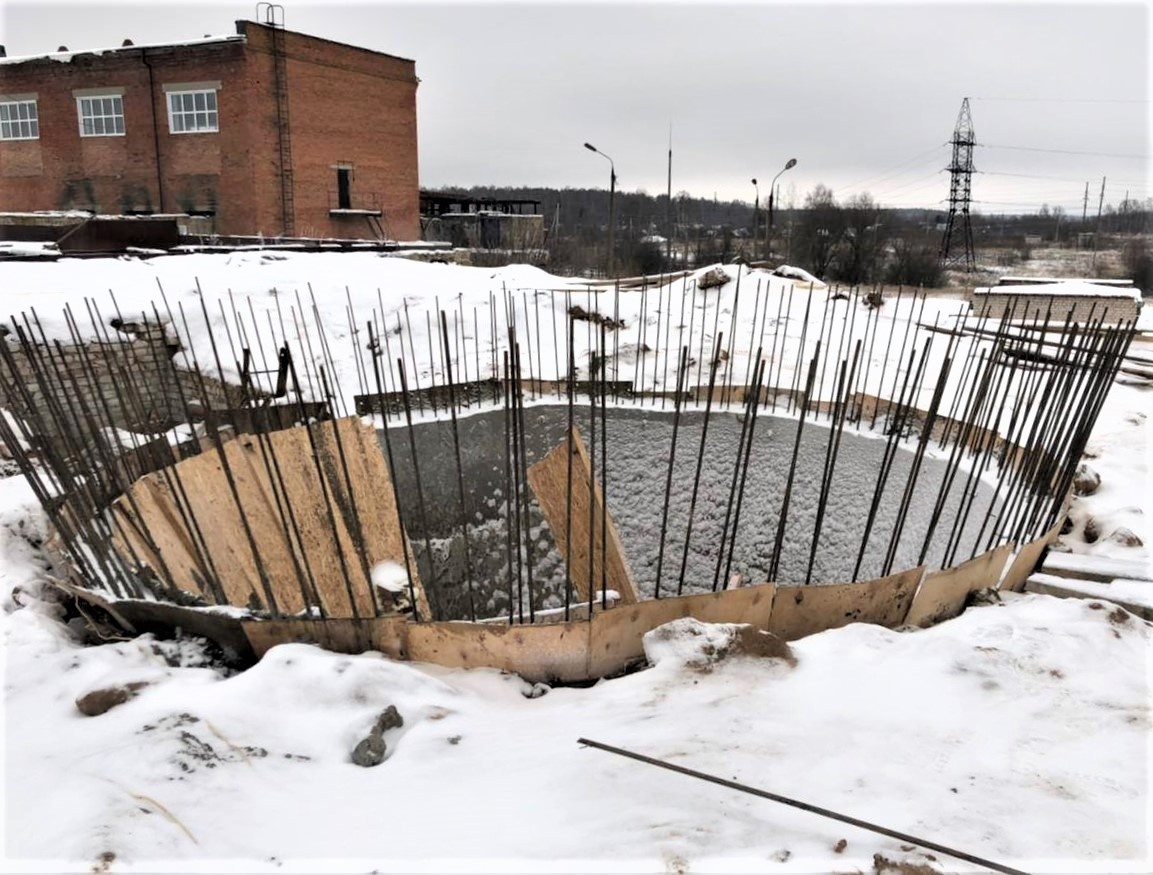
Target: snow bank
1016 732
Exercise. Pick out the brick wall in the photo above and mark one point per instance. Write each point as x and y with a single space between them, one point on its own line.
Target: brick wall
348 106
119 174
69 394
1035 306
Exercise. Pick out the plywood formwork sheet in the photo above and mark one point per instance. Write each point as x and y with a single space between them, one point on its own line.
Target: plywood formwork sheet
348 635
549 479
309 515
1028 557
802 610
942 594
546 653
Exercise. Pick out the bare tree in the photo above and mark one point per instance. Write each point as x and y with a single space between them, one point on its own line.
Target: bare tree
861 243
819 230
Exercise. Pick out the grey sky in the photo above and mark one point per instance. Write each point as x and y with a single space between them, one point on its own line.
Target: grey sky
864 95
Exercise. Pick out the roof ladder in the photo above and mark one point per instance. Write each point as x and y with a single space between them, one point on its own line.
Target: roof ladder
274 18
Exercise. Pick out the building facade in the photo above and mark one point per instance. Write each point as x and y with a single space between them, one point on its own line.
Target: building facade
1039 298
268 132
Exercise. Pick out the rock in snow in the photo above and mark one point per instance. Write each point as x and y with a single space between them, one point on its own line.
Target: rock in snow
370 750
1126 537
97 702
1086 481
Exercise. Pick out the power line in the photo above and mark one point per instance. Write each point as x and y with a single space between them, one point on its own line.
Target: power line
1057 178
1064 99
915 183
1064 151
884 174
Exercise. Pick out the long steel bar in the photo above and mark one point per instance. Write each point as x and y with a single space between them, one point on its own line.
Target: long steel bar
805 806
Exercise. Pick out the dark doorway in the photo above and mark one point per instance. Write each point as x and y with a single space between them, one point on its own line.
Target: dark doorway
343 198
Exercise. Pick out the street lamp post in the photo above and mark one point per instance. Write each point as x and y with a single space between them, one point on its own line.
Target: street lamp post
612 205
792 162
756 209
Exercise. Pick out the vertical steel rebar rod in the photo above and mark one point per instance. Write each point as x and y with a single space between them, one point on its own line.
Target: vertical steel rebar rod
377 375
758 382
844 395
885 360
682 376
433 578
459 473
700 462
783 515
737 468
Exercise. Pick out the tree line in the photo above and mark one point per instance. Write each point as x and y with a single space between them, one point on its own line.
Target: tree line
854 241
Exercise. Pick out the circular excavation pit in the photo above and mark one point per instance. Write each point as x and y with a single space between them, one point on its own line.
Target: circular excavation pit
817 504
845 461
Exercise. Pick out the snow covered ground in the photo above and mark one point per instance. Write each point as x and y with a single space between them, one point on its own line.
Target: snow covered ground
1017 732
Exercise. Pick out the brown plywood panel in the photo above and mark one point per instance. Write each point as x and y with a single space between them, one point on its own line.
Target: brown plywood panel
549 481
617 635
552 652
345 635
326 545
942 594
1028 557
213 511
165 544
343 519
375 501
802 610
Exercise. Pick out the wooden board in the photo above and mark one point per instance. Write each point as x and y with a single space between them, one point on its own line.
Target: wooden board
549 481
320 512
544 653
347 635
942 594
802 610
1029 556
618 635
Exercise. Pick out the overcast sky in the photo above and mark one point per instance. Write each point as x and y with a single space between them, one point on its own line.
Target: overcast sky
865 96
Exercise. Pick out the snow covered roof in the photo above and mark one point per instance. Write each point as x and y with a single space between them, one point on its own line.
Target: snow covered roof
1078 288
66 57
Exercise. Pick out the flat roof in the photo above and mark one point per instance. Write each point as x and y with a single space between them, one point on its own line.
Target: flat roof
66 57
1082 288
238 37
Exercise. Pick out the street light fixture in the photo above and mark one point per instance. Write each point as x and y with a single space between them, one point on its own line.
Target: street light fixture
612 204
792 162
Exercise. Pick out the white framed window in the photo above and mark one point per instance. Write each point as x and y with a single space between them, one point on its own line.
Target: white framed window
101 116
193 112
19 120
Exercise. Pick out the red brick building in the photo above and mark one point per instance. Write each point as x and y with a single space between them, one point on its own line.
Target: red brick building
268 132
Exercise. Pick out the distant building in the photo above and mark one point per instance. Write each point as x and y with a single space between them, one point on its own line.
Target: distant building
481 222
1035 298
268 132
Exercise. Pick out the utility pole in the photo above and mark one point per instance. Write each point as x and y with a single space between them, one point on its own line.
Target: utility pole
1097 228
669 204
1085 203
